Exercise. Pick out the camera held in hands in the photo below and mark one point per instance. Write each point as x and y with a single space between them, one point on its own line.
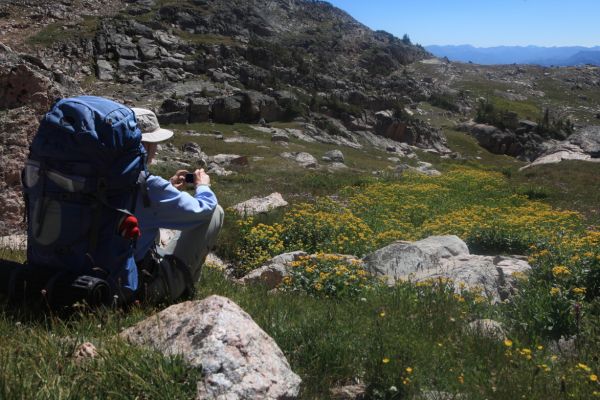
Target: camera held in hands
189 178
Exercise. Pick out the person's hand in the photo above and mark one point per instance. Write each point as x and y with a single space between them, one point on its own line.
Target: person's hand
201 178
178 180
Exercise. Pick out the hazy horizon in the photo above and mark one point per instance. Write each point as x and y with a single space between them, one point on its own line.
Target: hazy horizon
509 45
495 23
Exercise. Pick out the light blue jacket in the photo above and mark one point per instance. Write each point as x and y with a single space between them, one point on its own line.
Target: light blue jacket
172 209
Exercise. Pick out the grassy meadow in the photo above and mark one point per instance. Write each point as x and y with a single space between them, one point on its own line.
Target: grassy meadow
336 324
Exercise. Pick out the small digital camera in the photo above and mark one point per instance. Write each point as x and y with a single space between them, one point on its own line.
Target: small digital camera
189 178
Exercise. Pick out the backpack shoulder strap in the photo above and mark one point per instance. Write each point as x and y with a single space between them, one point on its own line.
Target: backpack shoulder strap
142 188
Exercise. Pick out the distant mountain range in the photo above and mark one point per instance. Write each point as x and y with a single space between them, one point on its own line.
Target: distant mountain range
561 56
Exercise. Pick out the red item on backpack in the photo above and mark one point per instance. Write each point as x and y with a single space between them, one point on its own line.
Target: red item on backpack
129 228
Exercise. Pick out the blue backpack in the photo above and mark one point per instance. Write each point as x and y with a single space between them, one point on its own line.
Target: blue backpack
80 185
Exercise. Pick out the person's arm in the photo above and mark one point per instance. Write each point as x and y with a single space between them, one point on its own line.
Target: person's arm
174 209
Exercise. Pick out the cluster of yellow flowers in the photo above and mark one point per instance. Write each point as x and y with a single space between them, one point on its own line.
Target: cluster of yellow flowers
560 271
328 275
466 202
324 226
259 243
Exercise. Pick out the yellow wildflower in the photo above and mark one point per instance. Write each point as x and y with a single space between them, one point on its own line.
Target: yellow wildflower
578 290
560 271
583 367
544 367
508 342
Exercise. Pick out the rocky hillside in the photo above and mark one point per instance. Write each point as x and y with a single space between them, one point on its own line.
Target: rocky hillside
302 63
196 61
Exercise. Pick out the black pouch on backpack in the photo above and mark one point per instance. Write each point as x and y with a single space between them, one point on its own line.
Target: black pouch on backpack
163 279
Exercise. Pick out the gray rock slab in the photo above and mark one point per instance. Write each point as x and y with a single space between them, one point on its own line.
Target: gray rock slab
447 257
225 159
304 159
240 139
333 156
214 168
258 205
104 70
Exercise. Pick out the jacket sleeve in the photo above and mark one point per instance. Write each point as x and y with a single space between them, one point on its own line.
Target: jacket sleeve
173 209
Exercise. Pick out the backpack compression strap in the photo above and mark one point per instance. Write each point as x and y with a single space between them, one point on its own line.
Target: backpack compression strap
128 217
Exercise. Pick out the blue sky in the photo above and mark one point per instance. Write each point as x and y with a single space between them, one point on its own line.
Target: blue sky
483 23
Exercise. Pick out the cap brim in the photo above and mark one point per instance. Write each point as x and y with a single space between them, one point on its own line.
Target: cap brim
158 135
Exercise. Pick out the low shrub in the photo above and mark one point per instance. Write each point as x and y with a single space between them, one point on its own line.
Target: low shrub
324 226
445 101
329 275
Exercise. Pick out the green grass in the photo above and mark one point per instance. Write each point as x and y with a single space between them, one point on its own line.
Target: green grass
207 39
54 32
570 185
274 173
327 342
525 109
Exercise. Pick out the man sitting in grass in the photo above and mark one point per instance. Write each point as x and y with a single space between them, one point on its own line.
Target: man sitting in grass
170 273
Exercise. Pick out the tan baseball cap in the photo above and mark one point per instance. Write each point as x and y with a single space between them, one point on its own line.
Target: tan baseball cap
148 124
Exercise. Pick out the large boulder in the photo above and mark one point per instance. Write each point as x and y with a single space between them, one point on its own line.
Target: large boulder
447 257
227 110
306 160
173 111
168 41
400 259
23 84
149 50
523 144
333 156
413 132
199 109
588 139
583 145
237 358
104 70
226 160
256 106
260 205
